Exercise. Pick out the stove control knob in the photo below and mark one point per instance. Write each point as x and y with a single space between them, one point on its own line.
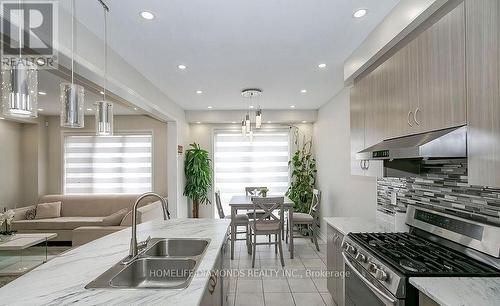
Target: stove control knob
361 257
381 275
351 249
372 267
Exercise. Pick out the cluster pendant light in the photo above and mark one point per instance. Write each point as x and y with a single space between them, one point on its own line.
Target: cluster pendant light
72 96
104 109
246 125
20 86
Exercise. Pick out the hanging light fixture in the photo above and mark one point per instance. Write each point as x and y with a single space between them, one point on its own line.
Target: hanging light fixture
258 118
243 128
72 96
252 93
104 109
20 85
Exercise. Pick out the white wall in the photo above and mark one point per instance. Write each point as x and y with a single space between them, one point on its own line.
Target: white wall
10 164
342 194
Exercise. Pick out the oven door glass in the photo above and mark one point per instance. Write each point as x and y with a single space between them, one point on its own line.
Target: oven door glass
357 293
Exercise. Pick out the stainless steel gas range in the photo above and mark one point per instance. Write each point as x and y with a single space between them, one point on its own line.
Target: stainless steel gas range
379 265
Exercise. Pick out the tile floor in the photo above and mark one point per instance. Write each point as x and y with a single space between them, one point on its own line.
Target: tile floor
299 283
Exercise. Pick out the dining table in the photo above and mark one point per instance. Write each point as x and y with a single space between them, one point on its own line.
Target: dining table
243 202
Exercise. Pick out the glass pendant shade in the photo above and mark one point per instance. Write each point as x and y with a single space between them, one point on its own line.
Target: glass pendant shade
258 119
104 118
20 90
243 128
247 123
72 105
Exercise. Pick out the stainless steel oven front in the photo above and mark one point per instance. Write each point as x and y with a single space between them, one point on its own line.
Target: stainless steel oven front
361 288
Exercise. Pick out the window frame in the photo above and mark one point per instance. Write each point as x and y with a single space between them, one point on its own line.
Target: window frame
215 130
64 134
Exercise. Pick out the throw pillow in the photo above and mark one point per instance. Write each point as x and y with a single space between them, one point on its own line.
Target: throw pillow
30 214
48 210
115 218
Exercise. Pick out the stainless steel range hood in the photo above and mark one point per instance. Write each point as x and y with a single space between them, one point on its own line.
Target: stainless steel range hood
447 143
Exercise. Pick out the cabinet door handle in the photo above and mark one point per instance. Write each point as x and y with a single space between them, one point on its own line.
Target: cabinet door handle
367 164
409 114
361 164
415 115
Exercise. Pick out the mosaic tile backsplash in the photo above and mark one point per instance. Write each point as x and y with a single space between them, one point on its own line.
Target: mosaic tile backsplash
442 185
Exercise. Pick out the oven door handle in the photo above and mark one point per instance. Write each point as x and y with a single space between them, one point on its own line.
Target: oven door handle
376 290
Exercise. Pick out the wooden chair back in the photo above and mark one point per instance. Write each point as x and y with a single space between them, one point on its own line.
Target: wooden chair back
219 205
266 207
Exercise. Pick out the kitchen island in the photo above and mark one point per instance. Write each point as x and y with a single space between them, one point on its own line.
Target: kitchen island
61 281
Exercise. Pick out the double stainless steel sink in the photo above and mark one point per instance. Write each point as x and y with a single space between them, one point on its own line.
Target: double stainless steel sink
165 263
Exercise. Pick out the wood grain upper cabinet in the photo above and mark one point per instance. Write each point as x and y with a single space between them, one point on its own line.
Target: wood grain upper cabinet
376 116
483 91
357 111
441 73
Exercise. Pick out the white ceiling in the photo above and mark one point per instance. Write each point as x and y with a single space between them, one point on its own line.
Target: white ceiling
50 105
229 45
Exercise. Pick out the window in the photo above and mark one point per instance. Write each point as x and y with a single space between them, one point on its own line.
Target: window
240 162
104 165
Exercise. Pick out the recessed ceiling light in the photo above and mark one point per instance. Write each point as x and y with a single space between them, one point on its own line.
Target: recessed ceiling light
269 122
199 92
359 13
209 107
303 91
89 109
233 122
292 106
101 92
135 108
322 65
182 67
147 15
303 121
43 93
251 106
40 109
198 122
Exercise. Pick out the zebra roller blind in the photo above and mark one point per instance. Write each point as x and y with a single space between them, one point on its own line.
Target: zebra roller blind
240 162
119 164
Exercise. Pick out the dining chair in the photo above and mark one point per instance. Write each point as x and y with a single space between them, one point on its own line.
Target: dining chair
311 220
240 220
267 224
253 191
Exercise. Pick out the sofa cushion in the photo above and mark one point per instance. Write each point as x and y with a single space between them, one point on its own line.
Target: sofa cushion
114 219
30 214
48 210
92 205
61 223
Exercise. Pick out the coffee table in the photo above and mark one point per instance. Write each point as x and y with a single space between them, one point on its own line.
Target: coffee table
23 252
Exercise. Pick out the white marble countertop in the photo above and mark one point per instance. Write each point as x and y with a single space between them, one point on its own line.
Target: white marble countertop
61 281
460 291
348 225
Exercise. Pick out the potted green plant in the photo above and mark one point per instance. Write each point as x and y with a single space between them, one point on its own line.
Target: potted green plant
303 176
198 171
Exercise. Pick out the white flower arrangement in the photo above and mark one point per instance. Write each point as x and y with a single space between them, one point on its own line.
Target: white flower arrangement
7 218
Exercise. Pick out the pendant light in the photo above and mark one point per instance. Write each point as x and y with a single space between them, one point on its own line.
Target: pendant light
20 85
72 96
104 109
243 128
258 118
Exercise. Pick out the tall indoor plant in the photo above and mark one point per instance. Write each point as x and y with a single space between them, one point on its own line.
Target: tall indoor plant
198 176
303 175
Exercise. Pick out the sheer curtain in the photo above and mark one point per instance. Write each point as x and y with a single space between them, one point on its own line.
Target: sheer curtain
240 161
108 165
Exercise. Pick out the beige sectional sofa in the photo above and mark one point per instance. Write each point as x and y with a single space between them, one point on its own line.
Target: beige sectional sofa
82 216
